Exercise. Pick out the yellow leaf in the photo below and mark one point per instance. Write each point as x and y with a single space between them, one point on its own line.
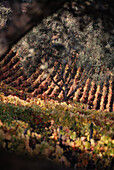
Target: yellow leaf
78 142
83 138
100 154
92 142
87 145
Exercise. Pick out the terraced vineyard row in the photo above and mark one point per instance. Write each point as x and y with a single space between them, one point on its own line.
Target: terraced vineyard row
96 96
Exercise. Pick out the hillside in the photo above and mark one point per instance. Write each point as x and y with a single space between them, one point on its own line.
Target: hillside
53 112
35 121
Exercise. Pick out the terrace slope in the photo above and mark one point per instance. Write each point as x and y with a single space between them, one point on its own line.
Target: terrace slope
13 75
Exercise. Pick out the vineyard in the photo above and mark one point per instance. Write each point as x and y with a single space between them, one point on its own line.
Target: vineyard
35 119
12 75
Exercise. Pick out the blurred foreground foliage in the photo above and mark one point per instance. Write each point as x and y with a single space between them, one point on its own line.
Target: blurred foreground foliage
66 133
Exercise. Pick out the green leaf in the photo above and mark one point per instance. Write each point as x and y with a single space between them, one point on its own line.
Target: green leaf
73 136
87 145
